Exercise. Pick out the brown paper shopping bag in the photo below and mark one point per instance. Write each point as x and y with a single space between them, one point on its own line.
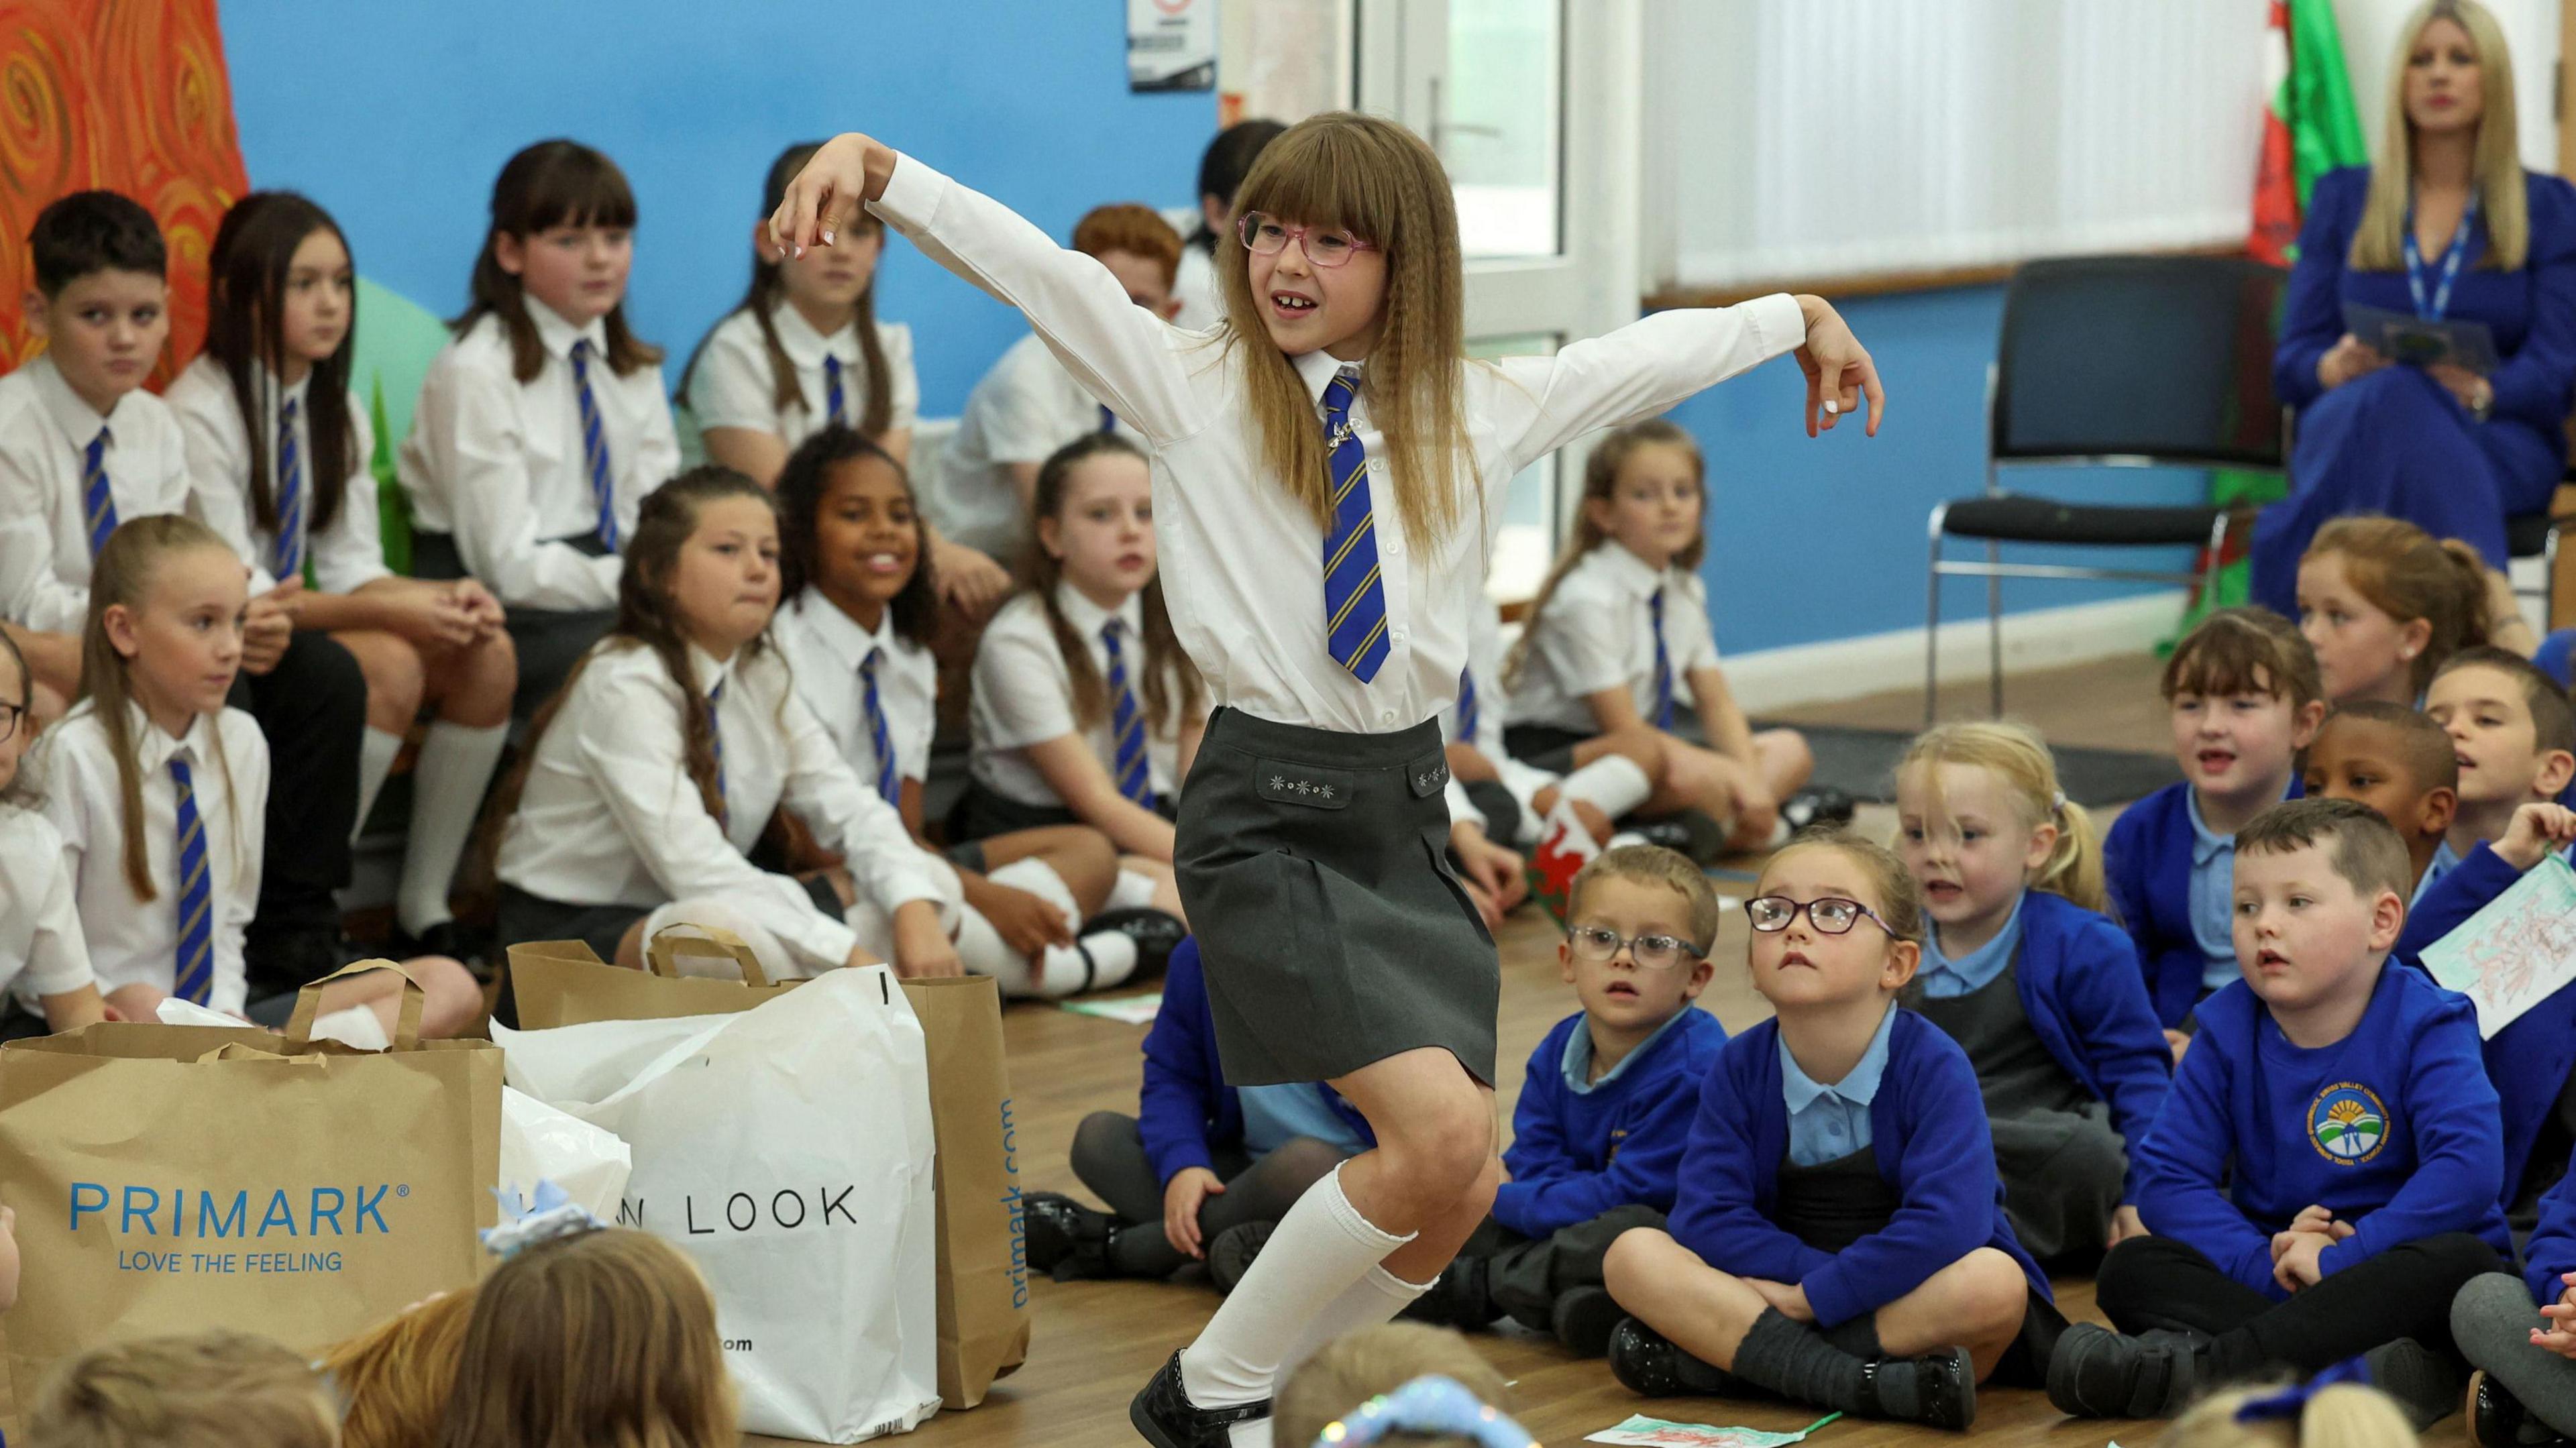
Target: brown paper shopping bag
983 1254
175 1178
564 982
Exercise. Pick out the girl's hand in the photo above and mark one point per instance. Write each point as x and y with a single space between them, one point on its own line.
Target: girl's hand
268 626
2348 358
969 581
1492 868
479 605
1839 371
2126 1223
1187 1191
1790 1301
921 949
2536 830
861 958
433 616
846 172
1026 922
2298 1267
2558 1332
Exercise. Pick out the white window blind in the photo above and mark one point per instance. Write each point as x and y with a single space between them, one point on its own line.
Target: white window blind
1791 139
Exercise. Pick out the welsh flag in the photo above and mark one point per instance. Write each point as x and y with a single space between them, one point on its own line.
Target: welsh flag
2310 129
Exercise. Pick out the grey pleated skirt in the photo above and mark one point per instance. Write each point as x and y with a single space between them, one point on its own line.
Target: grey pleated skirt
1314 865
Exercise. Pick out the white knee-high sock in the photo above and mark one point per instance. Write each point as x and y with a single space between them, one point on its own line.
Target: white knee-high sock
456 764
1372 1301
1614 782
1132 892
376 751
1314 1255
1094 962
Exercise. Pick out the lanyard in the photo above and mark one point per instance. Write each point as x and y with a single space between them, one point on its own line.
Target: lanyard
2452 256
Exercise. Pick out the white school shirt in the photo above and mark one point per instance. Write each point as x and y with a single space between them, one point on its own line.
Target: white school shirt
826 647
611 817
45 429
1202 303
1024 696
136 942
1242 563
1485 656
1020 412
1596 634
346 556
731 385
42 950
500 465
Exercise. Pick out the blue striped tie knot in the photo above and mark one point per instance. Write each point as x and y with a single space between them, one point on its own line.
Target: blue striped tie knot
594 447
193 970
98 501
1126 721
880 738
1354 592
288 552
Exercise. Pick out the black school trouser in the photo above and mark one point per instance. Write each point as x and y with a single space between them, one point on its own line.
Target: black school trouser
311 708
2406 1291
1109 1157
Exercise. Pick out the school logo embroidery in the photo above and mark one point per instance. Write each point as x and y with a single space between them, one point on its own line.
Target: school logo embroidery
2348 1123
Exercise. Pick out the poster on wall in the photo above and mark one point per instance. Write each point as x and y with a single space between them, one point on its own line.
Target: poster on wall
1171 45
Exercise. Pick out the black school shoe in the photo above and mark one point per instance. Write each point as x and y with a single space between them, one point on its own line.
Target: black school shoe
1945 1387
1584 1319
1234 1251
1167 1418
2098 1373
1065 1239
1156 933
1458 1298
2497 1419
1645 1361
1820 804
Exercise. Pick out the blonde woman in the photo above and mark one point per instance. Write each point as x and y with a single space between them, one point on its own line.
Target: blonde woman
2447 226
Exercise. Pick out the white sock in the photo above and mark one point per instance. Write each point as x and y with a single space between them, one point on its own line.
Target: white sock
376 751
1095 962
456 764
1614 782
1132 892
1313 1256
1781 830
1373 1301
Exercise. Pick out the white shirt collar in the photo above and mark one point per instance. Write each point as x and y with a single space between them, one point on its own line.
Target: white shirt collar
806 347
153 749
1087 617
840 633
558 334
1318 369
1629 571
711 675
76 418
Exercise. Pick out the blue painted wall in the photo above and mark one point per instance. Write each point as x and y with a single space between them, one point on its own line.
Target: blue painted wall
1825 539
397 117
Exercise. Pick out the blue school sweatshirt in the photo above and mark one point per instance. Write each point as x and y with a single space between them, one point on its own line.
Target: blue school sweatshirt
2551 1252
2393 1128
2528 1061
2146 862
1185 1110
1576 1154
1928 1132
2083 996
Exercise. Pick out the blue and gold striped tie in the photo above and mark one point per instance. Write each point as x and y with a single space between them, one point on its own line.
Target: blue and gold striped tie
1663 664
832 394
1354 594
594 446
880 738
1108 419
1126 722
98 503
715 743
289 550
195 974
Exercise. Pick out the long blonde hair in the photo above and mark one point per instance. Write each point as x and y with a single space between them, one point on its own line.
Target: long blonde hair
2019 759
204 1390
1380 182
1600 484
2340 1415
2378 243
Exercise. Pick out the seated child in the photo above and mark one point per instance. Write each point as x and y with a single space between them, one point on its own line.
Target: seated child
1606 1107
44 959
1619 637
2322 1180
2023 971
2384 603
1202 1170
1838 1236
2241 691
2399 763
2516 735
862 607
2521 1335
1029 405
2347 1413
1417 1384
394 1379
214 1389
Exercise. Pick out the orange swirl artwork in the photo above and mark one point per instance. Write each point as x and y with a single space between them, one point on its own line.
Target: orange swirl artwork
127 95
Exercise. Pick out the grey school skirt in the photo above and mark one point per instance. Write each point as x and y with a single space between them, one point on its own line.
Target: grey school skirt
1314 866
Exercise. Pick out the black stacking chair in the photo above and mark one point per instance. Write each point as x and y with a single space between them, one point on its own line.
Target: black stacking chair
2147 361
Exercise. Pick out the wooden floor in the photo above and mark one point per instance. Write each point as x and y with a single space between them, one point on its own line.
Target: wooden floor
1095 1343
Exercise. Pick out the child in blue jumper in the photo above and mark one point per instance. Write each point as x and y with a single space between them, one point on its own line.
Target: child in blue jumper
1202 1170
2322 1180
1605 1108
2521 1334
2243 696
1839 1236
2023 971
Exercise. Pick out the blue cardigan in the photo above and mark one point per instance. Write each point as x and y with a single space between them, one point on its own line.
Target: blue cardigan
2551 1253
1577 1154
2393 1128
1928 1131
2082 994
1186 1110
2529 1060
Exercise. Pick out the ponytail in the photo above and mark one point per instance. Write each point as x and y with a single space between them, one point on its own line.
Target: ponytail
2407 574
2018 758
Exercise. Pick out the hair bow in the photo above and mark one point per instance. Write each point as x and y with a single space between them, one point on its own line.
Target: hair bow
525 1222
1432 1405
2292 1401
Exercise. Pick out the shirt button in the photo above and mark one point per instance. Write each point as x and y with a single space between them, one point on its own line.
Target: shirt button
1396 638
1377 467
1394 547
1386 716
